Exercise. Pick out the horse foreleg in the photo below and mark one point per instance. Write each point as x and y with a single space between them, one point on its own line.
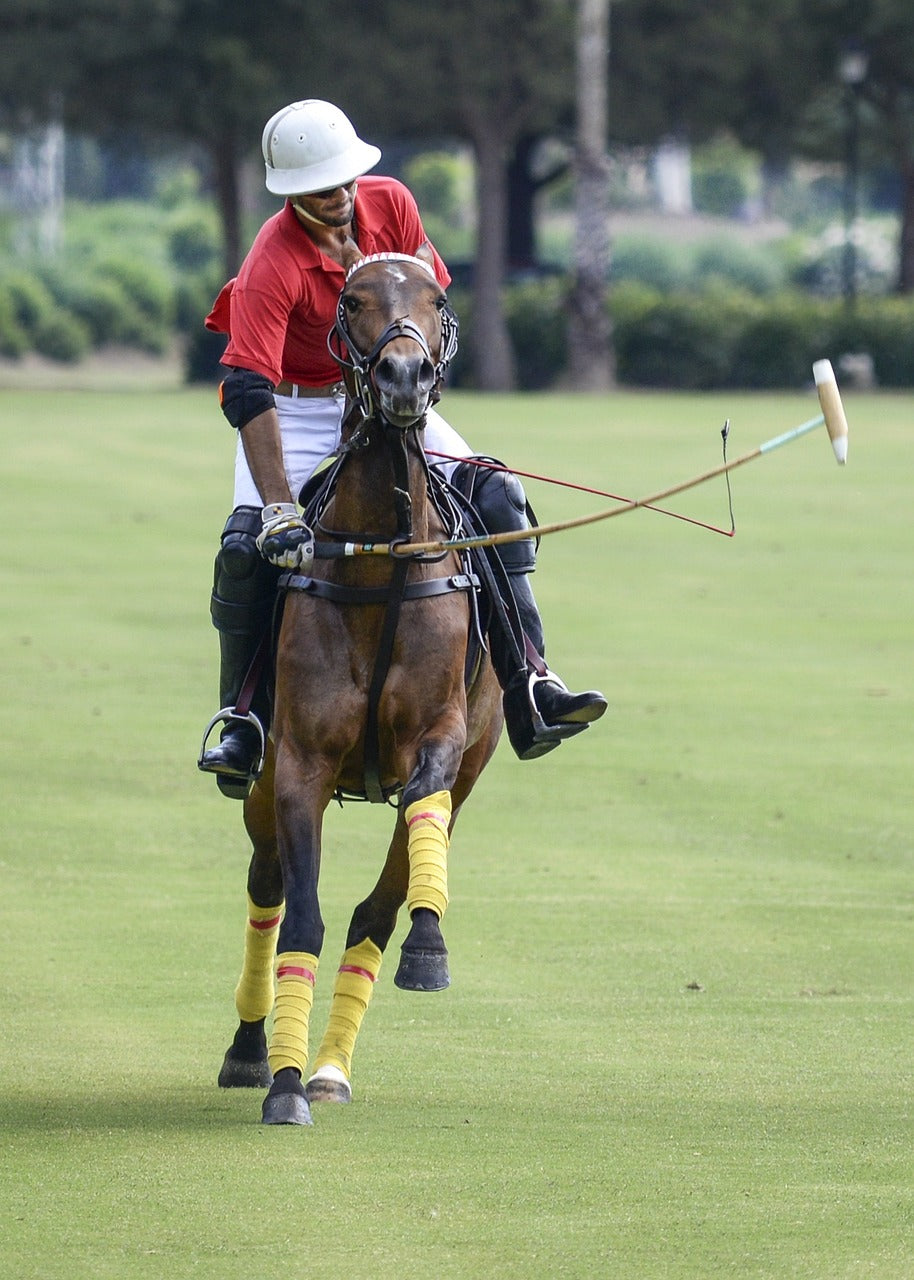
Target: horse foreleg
299 807
423 956
373 921
423 828
352 990
429 819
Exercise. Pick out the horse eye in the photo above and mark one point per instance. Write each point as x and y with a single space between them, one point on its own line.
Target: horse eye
441 302
351 304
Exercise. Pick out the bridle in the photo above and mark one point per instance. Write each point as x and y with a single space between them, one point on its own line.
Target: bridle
347 355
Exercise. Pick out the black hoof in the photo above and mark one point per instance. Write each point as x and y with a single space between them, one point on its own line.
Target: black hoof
286 1102
286 1108
236 1073
423 956
422 971
245 1063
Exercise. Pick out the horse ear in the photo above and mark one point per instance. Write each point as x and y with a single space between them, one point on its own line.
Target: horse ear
351 254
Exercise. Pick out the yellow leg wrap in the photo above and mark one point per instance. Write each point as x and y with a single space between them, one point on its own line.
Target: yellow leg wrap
427 821
352 990
254 993
296 972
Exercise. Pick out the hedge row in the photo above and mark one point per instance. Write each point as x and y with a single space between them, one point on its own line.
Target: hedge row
130 276
734 340
719 338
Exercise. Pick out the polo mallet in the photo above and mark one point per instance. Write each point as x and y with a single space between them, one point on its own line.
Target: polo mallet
832 408
832 416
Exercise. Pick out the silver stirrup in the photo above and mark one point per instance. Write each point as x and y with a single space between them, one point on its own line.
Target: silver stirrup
226 716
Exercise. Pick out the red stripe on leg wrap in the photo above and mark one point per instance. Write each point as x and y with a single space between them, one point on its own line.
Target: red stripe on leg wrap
293 971
431 816
362 973
264 924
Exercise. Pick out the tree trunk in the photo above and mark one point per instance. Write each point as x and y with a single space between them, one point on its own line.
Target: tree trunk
522 189
493 357
589 334
906 254
225 164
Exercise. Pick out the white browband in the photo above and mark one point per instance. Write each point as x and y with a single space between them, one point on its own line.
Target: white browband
390 257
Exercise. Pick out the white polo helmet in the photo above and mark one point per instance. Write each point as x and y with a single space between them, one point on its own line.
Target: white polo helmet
311 146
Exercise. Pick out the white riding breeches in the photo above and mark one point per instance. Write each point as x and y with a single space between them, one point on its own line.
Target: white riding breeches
310 432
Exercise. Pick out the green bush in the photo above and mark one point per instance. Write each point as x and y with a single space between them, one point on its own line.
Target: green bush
718 192
537 324
719 338
101 305
435 179
649 261
756 268
193 239
146 284
31 300
63 337
724 175
778 342
679 341
883 329
13 340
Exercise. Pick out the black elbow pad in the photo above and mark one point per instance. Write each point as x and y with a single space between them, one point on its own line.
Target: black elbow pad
244 395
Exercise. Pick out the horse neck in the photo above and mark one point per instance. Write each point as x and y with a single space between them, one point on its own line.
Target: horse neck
365 499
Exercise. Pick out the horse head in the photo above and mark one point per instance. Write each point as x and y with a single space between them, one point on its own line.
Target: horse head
394 336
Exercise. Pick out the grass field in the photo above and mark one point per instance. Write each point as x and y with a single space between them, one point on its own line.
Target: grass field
678 1040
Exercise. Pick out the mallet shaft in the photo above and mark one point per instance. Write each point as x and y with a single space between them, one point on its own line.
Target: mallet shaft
832 415
776 441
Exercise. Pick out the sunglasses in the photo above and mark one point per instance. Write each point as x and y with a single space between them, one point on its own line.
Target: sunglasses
331 191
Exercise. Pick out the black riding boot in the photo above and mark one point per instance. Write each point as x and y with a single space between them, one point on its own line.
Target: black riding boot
540 711
244 588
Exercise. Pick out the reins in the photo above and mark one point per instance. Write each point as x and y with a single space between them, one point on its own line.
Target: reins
648 502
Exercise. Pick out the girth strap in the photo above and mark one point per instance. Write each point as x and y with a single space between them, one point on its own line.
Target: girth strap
341 594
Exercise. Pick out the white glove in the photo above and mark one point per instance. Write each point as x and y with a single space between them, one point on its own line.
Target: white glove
285 540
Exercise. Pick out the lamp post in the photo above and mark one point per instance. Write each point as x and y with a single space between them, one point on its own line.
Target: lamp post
852 69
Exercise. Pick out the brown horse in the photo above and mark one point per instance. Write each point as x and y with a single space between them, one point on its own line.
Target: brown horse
372 699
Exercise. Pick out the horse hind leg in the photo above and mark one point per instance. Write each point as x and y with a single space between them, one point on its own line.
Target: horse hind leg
423 956
245 1064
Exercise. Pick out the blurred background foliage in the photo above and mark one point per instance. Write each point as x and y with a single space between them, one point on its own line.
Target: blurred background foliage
130 175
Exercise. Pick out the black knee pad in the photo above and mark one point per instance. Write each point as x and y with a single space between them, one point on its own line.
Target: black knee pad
238 555
499 497
244 584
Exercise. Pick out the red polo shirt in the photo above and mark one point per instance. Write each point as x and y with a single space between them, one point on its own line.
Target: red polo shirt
282 305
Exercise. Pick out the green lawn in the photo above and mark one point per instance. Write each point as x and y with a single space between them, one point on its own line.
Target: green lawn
678 1040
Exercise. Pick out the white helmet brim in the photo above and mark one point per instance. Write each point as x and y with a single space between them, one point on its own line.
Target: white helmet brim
336 172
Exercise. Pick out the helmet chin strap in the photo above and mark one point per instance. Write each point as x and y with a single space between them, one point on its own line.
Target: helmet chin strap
303 212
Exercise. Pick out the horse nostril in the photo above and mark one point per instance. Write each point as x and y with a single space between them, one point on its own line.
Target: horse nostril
426 374
385 373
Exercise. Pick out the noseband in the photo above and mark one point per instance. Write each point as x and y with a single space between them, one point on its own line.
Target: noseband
340 342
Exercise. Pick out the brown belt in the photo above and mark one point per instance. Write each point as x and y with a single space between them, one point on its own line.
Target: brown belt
296 390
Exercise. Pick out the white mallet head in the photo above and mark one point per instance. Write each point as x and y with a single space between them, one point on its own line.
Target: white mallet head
832 408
